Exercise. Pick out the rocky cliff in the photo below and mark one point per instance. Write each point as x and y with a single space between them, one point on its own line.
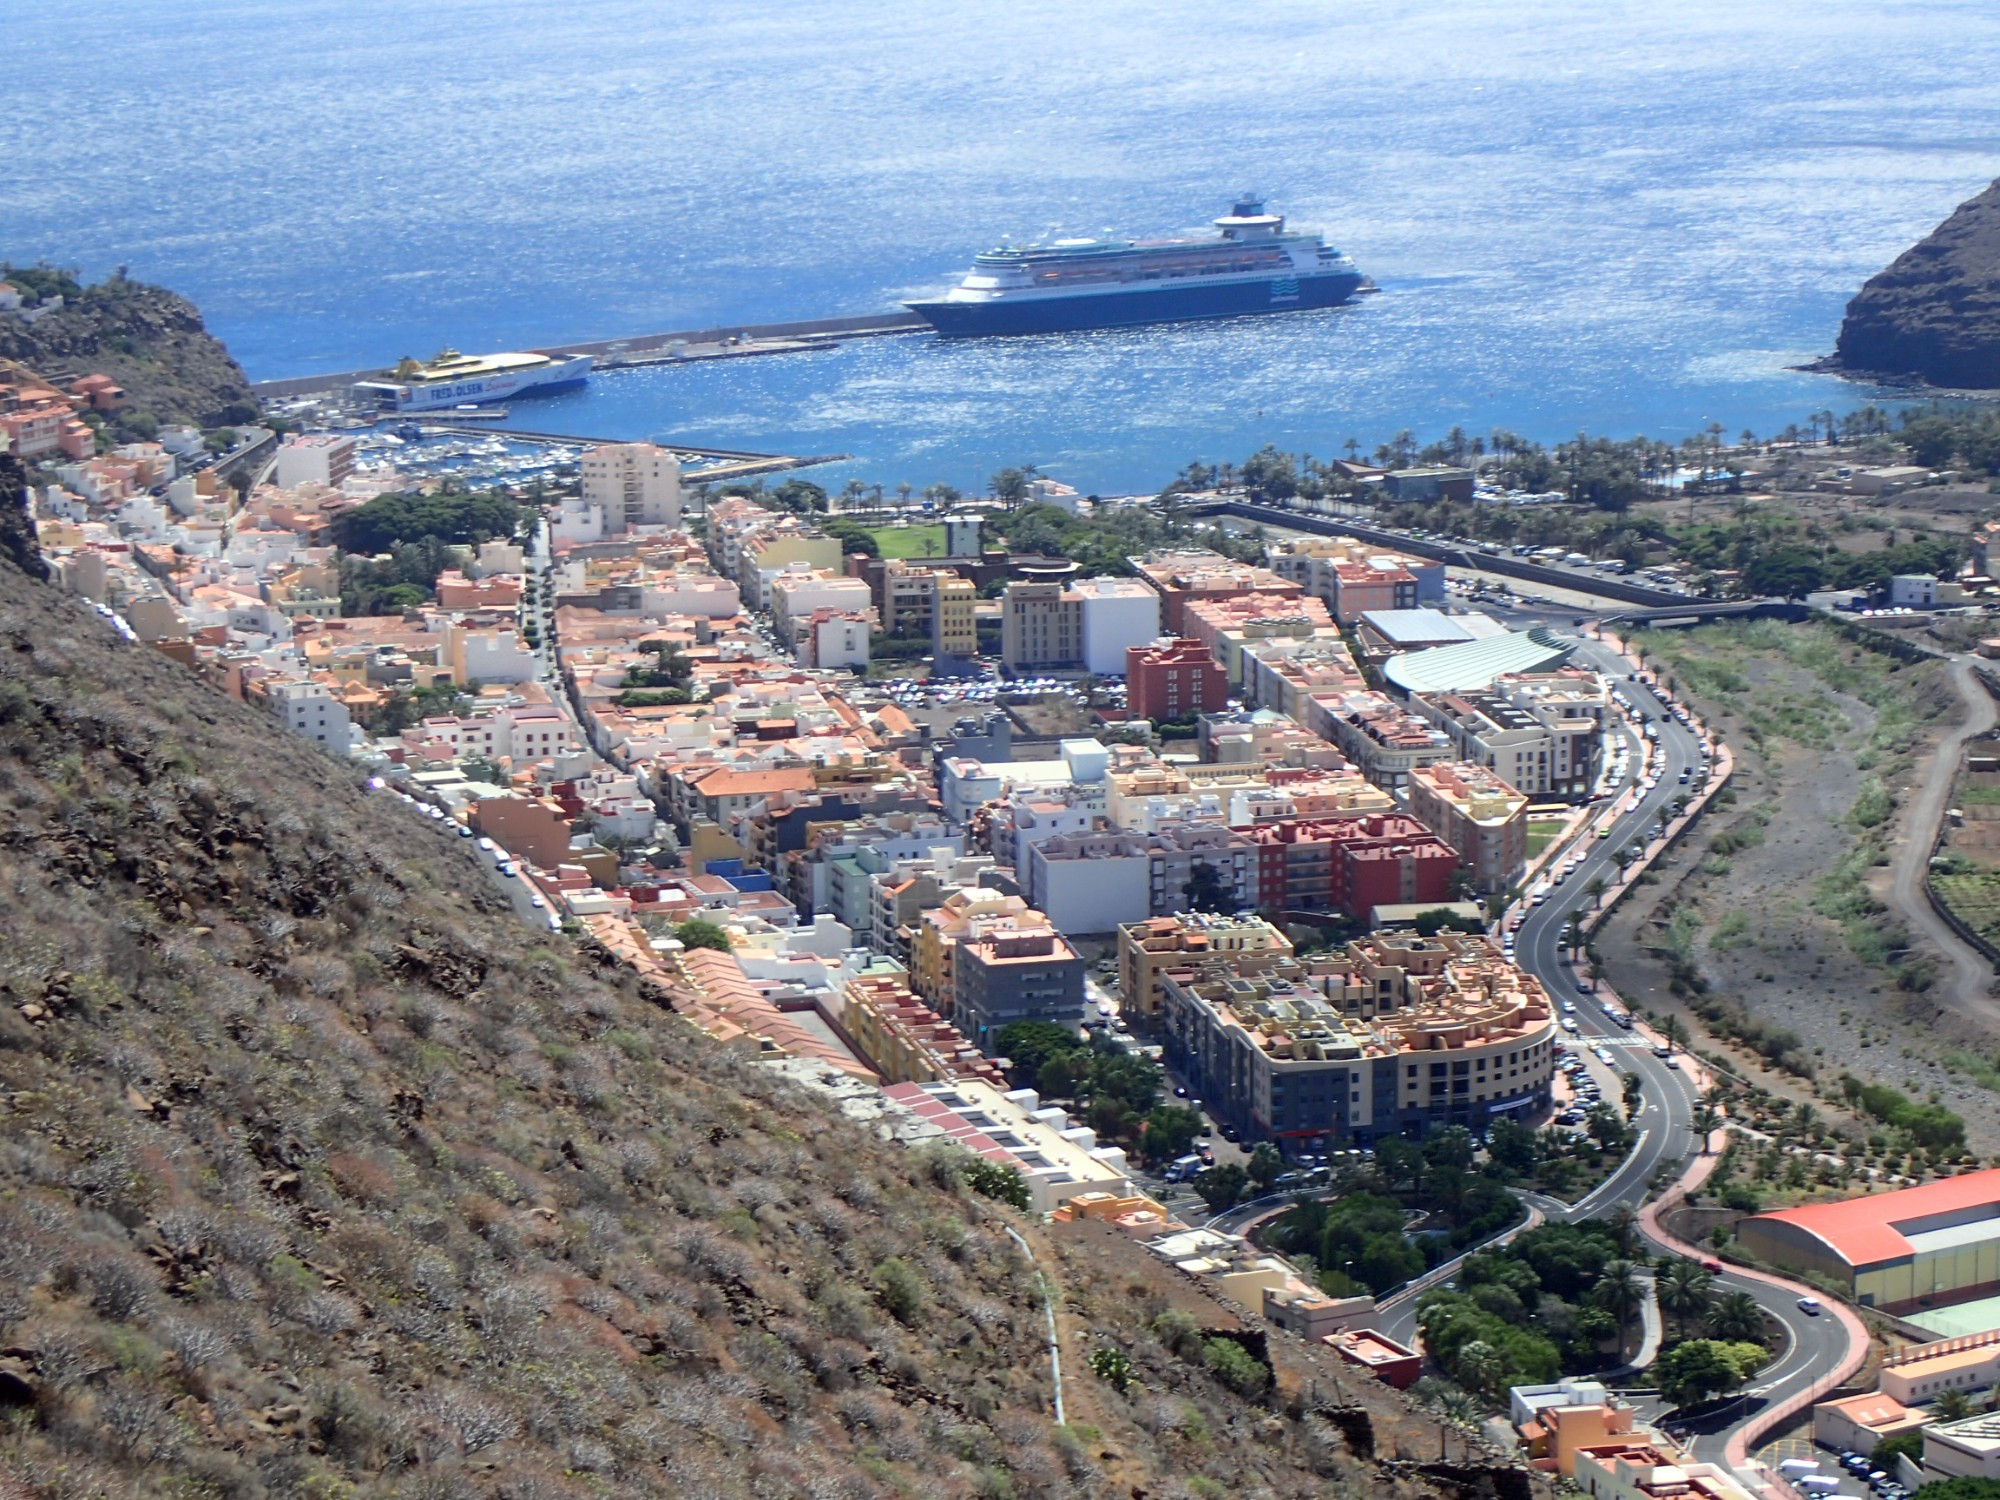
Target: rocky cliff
151 341
322 1175
1934 314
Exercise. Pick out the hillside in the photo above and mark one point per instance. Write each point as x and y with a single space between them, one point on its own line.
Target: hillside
1934 314
322 1177
151 341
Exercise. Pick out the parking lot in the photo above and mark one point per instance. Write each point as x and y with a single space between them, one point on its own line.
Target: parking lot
1833 1472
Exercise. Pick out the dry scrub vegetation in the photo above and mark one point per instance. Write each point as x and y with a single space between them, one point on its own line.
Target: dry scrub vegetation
320 1177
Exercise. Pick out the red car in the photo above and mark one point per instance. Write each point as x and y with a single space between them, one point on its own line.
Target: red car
1712 1265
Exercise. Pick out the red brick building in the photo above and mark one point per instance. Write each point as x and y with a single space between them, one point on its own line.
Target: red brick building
1350 865
1172 678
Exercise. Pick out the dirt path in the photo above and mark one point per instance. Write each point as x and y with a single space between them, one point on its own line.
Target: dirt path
1968 989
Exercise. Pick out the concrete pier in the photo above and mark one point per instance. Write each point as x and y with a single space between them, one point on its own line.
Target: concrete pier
723 341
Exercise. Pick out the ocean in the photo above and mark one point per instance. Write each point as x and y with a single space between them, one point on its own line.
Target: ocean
1623 218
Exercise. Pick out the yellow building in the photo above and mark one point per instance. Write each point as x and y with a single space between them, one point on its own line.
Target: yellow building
904 1039
1147 949
1939 1242
957 632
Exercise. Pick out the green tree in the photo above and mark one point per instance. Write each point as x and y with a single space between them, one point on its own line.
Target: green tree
1028 1044
1617 1292
1010 486
1885 1453
1056 1079
1513 1147
1134 1081
699 932
1704 1122
1963 1489
1949 1406
1206 890
1481 1366
1170 1130
1221 1185
1700 1369
1265 1166
450 515
1684 1287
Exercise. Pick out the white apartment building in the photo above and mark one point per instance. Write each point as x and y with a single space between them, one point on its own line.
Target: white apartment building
576 521
527 732
314 458
838 638
1117 613
637 484
486 654
797 589
309 709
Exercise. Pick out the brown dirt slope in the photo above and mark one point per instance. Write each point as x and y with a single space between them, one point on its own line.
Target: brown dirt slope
319 1176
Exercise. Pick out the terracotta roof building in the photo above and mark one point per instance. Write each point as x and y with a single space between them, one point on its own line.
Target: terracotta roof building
1940 1241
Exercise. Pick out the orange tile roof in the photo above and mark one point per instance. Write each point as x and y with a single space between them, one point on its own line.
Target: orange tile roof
728 783
1870 1409
1866 1230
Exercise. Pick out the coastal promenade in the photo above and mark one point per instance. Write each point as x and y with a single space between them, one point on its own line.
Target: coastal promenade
710 343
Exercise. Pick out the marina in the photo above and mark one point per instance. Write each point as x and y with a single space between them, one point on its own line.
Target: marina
450 446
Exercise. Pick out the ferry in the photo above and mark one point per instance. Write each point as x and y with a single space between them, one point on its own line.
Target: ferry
454 379
1252 265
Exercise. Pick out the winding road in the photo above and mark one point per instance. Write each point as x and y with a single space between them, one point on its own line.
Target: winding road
1816 1348
1970 991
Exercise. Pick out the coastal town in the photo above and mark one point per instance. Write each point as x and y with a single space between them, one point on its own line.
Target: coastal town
1181 894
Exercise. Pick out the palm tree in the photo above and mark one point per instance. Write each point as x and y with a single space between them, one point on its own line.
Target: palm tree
1455 1406
1617 1292
1684 1288
1736 1315
1949 1406
1596 889
1480 1366
1623 1221
1704 1122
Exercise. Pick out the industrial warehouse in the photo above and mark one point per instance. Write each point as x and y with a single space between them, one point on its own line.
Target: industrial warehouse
1919 1248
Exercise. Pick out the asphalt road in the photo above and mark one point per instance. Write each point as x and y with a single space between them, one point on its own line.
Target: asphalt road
1666 1140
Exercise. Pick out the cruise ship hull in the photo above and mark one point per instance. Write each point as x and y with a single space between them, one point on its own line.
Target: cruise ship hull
1151 303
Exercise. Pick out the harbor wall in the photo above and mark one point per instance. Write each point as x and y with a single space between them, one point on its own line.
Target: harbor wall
858 327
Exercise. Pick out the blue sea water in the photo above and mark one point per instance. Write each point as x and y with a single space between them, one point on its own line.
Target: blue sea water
1624 217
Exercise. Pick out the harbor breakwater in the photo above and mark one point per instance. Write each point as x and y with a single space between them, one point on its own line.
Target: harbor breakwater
745 335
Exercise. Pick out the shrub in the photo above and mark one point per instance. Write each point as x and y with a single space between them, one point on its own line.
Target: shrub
994 1179
1112 1365
1178 1331
901 1290
1235 1366
697 932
